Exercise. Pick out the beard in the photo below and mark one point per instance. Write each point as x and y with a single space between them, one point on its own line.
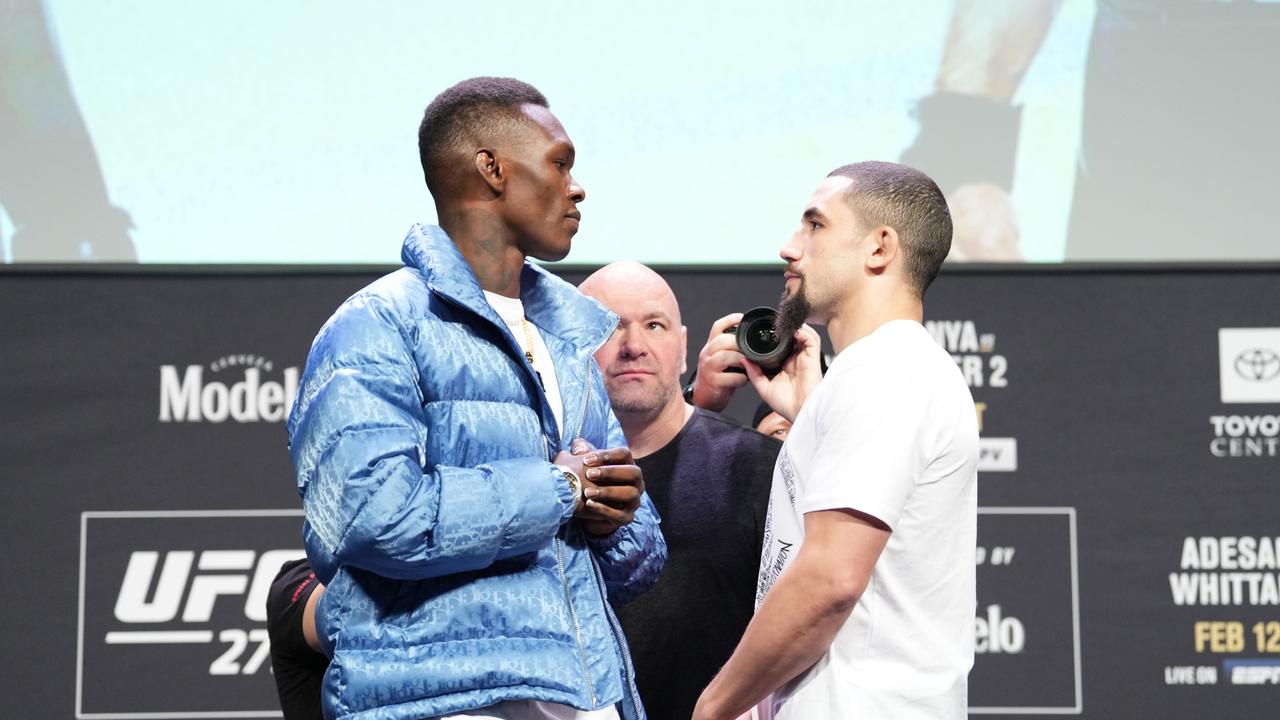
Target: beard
793 310
640 401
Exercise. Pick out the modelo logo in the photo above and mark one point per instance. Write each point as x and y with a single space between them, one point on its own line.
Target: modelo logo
997 634
1258 364
189 397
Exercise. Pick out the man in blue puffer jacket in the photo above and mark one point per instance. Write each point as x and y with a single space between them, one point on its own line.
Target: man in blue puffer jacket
470 558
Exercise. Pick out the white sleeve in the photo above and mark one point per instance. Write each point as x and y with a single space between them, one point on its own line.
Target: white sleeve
871 445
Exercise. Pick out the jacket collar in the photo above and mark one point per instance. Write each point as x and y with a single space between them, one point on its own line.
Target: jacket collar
552 304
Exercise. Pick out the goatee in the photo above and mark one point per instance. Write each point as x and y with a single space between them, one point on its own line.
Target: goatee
793 310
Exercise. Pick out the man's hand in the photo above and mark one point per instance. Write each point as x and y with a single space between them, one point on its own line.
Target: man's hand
800 374
801 614
986 225
719 364
612 485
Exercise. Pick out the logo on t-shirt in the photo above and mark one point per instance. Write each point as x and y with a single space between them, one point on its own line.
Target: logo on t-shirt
788 470
773 562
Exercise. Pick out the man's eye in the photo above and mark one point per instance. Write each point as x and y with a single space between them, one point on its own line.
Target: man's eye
655 325
814 225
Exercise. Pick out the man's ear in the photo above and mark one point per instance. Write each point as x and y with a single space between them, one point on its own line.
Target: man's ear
883 248
684 349
490 169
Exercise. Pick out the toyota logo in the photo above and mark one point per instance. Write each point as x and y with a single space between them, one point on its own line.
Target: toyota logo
1258 364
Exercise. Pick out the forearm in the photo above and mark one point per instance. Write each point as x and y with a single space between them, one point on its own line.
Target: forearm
792 630
991 44
415 525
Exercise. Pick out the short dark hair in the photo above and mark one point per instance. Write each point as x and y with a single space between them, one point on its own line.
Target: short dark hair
908 201
465 112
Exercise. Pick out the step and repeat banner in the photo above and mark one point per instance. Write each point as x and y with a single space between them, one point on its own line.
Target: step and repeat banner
1128 535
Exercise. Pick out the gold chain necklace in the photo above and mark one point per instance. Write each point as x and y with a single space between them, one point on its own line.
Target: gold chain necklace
528 338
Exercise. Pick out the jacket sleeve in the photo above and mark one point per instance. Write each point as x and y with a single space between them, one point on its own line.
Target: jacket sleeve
630 558
357 439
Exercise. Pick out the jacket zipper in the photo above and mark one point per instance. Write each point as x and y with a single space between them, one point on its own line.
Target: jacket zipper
568 596
573 614
586 395
619 640
564 578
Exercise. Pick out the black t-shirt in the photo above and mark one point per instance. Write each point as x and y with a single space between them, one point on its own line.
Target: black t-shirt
298 670
710 485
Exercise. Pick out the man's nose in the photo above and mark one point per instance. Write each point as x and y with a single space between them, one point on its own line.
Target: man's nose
632 344
790 251
577 193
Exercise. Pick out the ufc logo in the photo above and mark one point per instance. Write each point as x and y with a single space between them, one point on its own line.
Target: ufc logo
219 573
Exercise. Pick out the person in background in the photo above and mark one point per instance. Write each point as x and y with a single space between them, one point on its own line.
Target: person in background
768 422
709 479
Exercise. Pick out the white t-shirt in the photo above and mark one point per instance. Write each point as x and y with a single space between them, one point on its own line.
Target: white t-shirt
534 710
511 310
891 432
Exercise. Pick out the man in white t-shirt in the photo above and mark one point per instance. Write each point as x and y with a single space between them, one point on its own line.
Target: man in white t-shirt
866 599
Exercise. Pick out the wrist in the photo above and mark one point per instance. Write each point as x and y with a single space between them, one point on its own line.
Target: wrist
575 485
965 139
706 396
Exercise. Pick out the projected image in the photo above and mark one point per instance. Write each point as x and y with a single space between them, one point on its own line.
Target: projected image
51 187
1177 157
285 132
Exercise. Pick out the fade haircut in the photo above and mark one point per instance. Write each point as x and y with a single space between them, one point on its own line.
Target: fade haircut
465 114
908 201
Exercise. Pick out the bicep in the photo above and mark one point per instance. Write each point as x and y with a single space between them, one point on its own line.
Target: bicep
871 450
848 544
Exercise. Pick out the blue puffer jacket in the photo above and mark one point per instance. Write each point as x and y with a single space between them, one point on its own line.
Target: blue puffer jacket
421 440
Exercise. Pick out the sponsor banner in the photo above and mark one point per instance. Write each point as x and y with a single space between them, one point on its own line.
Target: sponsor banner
1249 365
1248 373
1227 591
975 353
173 612
987 373
240 388
1027 633
1131 400
1252 672
997 454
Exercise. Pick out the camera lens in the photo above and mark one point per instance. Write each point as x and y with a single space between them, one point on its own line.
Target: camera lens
758 342
759 338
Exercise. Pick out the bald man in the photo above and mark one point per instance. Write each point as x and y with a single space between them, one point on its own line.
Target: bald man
709 480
